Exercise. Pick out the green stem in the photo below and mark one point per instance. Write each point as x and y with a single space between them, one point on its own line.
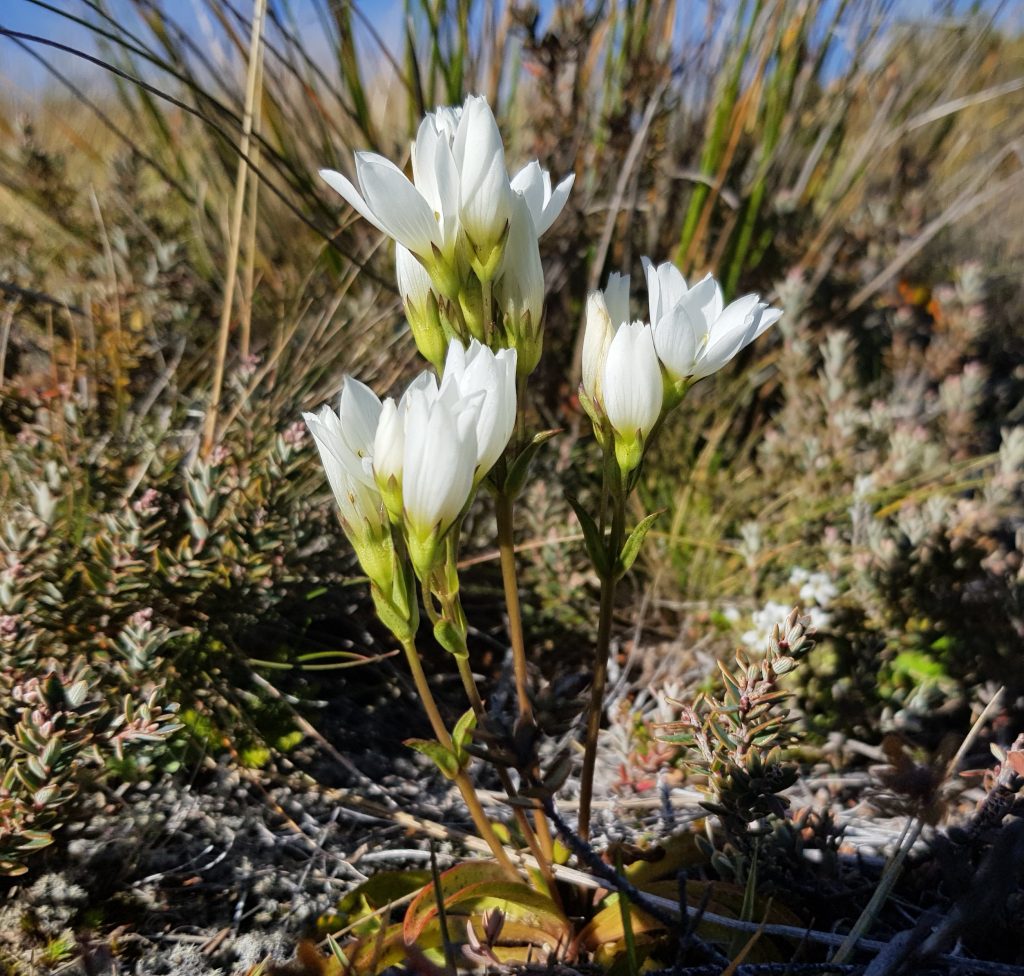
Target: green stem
462 781
604 634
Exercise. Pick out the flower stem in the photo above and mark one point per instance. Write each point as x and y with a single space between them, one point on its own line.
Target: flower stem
507 551
462 781
541 855
597 688
503 506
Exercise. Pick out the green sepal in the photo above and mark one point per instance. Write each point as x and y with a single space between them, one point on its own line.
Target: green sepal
519 470
390 615
632 547
444 759
592 537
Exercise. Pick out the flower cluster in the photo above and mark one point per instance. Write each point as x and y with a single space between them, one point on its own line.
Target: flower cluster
412 464
635 372
467 255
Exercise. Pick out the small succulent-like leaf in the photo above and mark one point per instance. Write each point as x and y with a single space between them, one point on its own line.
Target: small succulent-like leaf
519 470
451 638
462 733
444 758
631 549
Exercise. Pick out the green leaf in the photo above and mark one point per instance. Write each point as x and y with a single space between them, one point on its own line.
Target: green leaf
463 733
632 547
445 759
451 638
519 470
591 536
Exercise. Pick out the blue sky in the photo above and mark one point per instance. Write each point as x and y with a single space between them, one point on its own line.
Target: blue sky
23 77
22 74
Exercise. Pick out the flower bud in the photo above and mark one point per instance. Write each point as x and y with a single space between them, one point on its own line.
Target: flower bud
421 307
631 391
439 459
520 289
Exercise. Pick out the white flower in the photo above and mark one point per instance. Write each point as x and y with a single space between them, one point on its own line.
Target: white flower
350 475
345 442
693 333
438 464
460 184
631 390
534 185
487 381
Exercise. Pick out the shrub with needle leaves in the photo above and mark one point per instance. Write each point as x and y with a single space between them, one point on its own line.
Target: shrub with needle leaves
737 742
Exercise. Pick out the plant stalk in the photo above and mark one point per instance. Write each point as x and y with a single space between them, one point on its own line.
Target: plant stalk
462 781
597 688
503 507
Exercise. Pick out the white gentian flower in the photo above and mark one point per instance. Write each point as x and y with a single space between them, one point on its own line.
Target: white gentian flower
694 332
350 475
460 185
488 380
520 287
534 185
631 390
438 464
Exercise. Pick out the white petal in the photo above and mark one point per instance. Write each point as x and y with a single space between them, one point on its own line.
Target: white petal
343 185
677 337
521 285
597 337
768 318
735 327
397 204
529 183
424 152
477 371
437 471
413 280
555 203
616 296
358 413
389 442
631 386
671 285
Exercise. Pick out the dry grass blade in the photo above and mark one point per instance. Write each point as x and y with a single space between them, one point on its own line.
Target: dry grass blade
235 234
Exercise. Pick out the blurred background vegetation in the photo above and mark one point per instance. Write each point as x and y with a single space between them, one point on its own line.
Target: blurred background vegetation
165 522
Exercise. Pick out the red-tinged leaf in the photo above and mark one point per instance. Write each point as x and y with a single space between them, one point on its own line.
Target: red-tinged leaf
424 906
